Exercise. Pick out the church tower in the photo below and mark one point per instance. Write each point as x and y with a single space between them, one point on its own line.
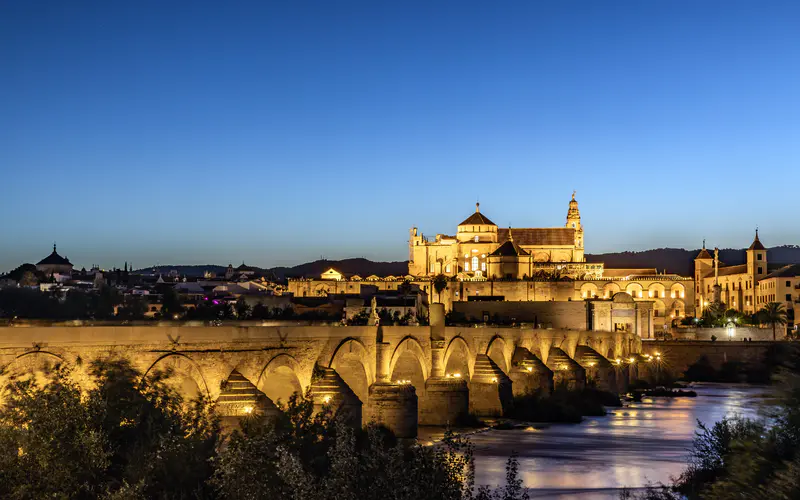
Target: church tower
703 263
756 261
574 222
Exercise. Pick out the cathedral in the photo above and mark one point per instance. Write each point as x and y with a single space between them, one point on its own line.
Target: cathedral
481 250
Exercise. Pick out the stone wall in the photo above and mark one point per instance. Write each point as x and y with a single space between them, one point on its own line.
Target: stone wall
739 333
565 315
676 356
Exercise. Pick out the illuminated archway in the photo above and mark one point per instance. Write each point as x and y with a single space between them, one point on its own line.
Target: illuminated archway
350 360
279 380
496 350
457 359
181 373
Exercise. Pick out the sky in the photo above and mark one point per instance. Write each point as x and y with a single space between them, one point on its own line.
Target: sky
275 133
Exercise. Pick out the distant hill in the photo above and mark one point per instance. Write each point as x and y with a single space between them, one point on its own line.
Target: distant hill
671 260
358 266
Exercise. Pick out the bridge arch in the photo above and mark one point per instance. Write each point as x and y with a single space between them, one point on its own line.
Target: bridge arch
407 349
458 358
32 364
183 374
496 350
280 378
350 359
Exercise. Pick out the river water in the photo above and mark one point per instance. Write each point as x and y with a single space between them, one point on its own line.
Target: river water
631 446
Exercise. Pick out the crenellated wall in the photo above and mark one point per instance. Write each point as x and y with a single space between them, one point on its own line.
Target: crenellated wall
401 375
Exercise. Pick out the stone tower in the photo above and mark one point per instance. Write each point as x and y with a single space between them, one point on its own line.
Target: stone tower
703 263
574 222
756 261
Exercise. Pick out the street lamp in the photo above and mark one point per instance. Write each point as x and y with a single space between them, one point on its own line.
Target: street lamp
731 330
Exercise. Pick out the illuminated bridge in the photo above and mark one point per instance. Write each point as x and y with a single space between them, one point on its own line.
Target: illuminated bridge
400 376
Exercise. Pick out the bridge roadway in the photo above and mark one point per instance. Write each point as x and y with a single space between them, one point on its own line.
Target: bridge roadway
400 376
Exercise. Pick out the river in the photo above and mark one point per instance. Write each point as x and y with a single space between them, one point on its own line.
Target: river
631 446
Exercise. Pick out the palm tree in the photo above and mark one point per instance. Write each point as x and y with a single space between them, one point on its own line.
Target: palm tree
405 290
439 283
773 314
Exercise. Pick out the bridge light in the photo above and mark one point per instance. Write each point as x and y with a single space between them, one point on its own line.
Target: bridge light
592 364
494 379
247 410
530 368
326 399
457 375
632 360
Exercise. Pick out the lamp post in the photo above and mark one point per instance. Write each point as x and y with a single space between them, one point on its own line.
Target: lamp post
731 331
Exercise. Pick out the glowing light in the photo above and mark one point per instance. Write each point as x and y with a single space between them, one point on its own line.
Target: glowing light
618 361
530 368
326 399
592 364
457 375
247 410
494 379
632 360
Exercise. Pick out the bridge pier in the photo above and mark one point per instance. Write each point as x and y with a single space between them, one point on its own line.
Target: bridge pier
529 375
394 406
490 392
598 369
566 371
329 389
446 399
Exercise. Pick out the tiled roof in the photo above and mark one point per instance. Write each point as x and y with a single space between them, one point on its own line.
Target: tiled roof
546 236
508 249
790 271
54 259
623 272
756 245
704 254
728 270
477 219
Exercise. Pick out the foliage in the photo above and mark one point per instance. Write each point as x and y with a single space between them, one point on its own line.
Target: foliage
27 303
133 307
242 308
126 438
171 304
439 283
317 457
773 314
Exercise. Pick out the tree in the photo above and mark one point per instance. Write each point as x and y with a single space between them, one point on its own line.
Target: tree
171 303
439 284
28 278
126 438
773 314
405 290
242 308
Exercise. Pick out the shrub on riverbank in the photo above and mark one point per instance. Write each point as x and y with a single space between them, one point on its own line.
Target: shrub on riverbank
563 405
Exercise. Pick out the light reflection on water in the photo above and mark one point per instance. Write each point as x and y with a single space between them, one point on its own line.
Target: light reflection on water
643 443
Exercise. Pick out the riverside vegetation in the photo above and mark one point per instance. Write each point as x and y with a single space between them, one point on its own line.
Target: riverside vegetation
131 438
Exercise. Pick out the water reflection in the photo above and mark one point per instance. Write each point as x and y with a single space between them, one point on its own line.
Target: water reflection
644 442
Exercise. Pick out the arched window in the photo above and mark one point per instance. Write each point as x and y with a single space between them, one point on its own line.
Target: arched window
475 263
466 265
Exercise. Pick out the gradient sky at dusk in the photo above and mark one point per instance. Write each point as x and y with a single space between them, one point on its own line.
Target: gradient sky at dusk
277 132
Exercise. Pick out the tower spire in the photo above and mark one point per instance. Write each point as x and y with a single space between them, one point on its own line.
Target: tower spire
477 207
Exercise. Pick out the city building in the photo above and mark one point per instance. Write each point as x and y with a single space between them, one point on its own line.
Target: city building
736 286
55 264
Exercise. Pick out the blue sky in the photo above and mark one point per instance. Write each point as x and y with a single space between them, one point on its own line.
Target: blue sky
277 132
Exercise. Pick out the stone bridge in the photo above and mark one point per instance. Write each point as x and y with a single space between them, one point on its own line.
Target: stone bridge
400 376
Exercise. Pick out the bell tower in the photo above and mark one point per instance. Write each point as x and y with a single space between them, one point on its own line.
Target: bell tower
756 260
574 222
